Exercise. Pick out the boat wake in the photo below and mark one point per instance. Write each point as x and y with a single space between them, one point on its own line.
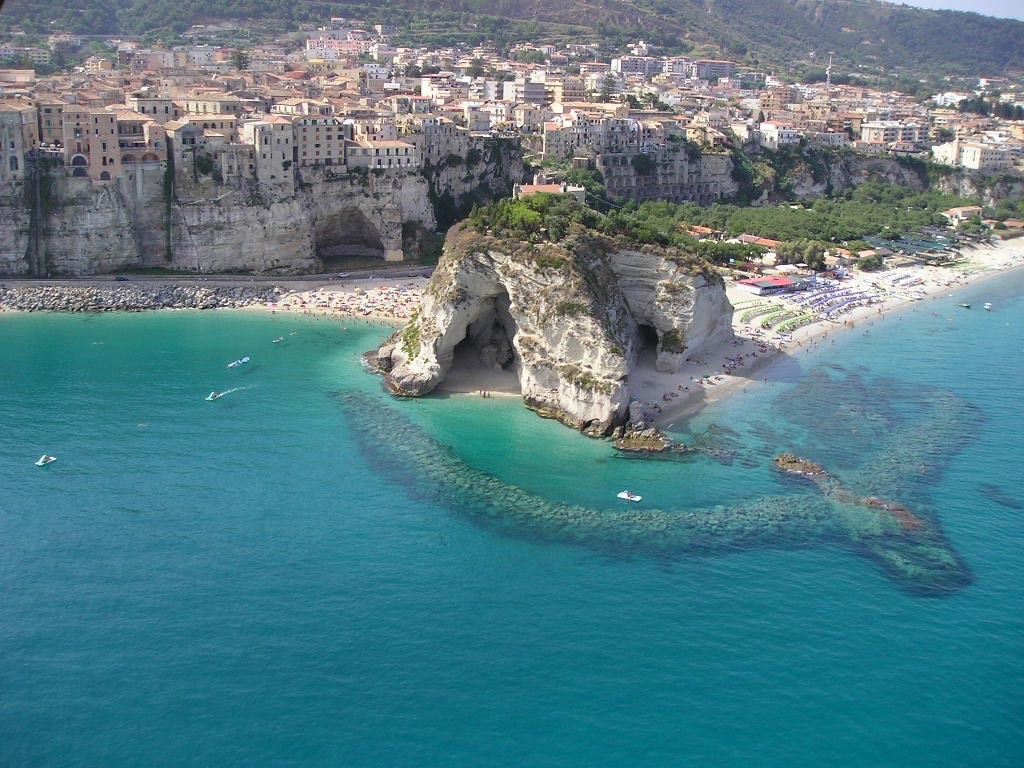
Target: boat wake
218 395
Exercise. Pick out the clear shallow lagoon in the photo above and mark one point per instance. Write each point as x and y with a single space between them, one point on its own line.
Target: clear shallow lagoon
241 582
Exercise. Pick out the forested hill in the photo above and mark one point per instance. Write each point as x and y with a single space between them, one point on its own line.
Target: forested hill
867 36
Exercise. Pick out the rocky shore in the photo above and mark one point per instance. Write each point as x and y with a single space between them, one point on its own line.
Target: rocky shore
131 297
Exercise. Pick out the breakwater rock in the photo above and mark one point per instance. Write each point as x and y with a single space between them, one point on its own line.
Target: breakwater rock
915 554
573 320
131 298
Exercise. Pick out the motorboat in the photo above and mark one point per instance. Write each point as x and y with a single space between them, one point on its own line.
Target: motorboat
44 460
240 361
213 396
279 339
988 306
627 496
966 306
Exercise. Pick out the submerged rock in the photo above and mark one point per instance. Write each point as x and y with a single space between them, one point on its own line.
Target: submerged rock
787 462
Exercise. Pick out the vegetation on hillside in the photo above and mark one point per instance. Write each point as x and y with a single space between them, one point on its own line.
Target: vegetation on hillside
805 231
870 39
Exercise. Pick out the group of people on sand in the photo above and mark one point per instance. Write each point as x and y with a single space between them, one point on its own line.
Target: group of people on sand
385 301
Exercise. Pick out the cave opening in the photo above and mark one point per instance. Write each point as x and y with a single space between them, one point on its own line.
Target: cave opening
485 358
646 345
347 239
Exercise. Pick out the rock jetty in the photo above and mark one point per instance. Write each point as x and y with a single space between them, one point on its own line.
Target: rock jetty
131 297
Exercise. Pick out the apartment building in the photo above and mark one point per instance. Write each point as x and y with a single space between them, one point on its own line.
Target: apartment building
522 91
320 140
272 139
50 116
212 104
161 109
368 153
91 146
774 135
19 134
985 157
892 131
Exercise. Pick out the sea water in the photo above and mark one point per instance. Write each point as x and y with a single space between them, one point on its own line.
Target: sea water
270 579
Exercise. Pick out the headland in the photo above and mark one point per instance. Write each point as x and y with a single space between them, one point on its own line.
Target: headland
664 398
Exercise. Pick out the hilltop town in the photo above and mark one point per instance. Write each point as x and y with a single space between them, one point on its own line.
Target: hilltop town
211 121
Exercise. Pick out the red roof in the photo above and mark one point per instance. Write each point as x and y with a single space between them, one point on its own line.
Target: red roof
768 282
533 189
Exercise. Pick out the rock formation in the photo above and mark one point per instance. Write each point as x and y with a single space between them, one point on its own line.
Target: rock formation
571 319
138 222
183 219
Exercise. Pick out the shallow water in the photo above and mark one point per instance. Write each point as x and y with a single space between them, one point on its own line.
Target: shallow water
274 578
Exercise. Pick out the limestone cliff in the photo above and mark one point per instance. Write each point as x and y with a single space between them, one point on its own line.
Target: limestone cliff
137 221
483 169
813 173
572 319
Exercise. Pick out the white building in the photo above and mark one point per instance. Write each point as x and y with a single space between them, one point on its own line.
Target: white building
975 155
368 153
775 135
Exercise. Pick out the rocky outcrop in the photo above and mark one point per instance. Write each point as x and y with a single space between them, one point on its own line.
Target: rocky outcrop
818 173
571 319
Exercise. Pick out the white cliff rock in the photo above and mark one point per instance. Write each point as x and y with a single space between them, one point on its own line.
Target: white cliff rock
570 319
88 228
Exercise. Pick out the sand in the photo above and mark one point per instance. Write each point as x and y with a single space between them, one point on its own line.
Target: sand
711 374
390 301
672 398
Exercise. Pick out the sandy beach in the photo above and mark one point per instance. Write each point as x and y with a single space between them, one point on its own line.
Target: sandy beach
391 301
713 374
709 374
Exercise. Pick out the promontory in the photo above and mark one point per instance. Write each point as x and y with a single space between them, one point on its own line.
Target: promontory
572 302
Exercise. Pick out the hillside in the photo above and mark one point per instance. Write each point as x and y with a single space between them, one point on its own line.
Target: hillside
868 37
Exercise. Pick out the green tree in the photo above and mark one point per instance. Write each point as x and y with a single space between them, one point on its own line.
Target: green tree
240 59
870 263
643 164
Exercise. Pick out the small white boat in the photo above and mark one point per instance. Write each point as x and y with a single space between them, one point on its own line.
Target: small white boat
213 396
240 361
279 339
44 460
988 306
966 306
627 496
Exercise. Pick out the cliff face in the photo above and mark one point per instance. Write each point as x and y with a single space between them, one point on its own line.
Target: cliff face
820 175
477 171
83 228
572 320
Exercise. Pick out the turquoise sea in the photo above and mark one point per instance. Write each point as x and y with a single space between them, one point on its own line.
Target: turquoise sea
305 572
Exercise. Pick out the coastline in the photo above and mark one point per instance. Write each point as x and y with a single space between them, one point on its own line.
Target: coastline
671 398
385 300
709 376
